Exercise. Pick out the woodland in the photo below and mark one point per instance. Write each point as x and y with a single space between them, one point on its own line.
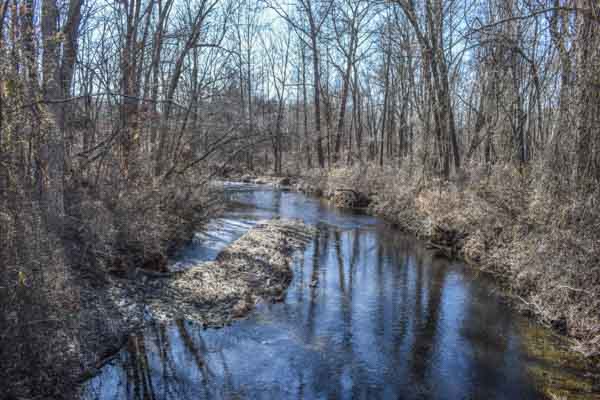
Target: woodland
475 124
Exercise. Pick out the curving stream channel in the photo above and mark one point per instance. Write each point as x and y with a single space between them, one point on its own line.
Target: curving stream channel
369 314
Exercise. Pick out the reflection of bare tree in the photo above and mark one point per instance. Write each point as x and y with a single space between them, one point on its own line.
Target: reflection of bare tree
168 365
488 329
163 345
227 374
148 387
147 381
355 257
426 330
139 383
323 263
314 283
379 326
136 368
397 289
340 261
301 266
190 345
346 305
300 384
196 351
403 263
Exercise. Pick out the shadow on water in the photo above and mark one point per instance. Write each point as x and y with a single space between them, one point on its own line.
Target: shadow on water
370 314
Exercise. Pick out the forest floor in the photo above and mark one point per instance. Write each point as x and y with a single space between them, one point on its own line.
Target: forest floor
541 245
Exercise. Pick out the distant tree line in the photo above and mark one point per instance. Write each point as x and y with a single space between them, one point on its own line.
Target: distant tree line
158 87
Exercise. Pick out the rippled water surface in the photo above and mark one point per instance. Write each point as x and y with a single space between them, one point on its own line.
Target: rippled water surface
370 314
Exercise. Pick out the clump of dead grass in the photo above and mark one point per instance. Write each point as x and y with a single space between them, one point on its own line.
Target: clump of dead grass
256 266
541 240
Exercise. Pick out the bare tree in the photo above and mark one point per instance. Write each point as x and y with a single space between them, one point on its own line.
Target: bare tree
309 30
429 31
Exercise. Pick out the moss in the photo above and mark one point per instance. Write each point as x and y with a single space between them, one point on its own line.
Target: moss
555 368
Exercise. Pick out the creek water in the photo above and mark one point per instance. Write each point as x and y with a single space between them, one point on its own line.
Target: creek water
370 314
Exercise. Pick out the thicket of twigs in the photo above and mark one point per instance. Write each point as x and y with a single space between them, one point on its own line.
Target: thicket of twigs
105 231
73 217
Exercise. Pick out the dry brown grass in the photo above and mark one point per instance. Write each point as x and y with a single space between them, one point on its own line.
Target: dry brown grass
54 286
255 267
540 240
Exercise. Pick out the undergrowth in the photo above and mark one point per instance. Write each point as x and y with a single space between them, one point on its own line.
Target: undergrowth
56 277
540 238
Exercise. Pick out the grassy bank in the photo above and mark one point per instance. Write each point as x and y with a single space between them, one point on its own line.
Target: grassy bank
541 242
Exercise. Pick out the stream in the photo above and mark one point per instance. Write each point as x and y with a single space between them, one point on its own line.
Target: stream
370 314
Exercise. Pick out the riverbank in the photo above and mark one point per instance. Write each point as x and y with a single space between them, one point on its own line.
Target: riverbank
254 268
110 306
512 234
61 275
539 243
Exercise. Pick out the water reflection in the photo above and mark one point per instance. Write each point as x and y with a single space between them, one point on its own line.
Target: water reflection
370 314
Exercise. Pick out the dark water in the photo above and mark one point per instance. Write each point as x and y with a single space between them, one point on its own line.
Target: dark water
370 314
